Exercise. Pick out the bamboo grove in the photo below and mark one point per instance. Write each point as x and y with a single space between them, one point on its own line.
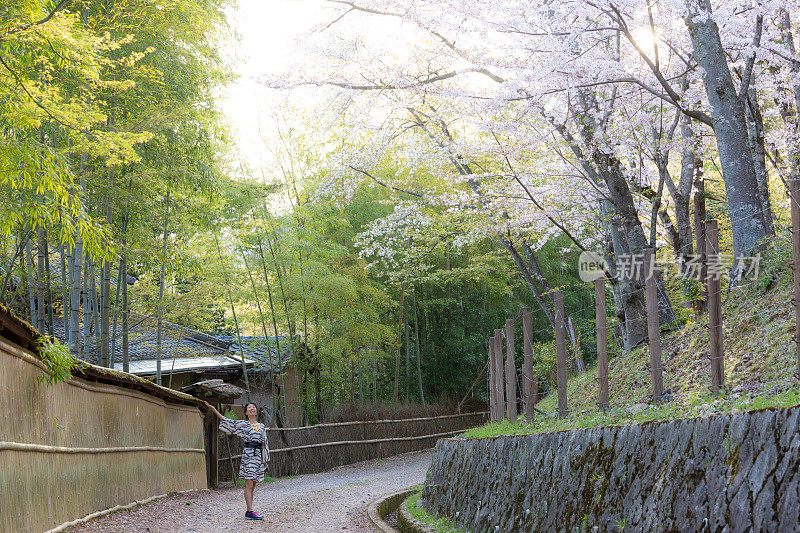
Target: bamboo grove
122 196
413 202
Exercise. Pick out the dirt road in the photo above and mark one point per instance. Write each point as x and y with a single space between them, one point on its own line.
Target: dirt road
326 502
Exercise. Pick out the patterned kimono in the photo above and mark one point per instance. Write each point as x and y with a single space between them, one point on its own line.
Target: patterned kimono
252 463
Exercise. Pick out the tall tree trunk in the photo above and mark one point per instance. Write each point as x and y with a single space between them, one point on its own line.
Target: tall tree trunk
48 288
19 253
700 304
30 281
278 353
40 277
95 310
105 277
417 341
289 323
755 137
396 394
75 301
274 368
88 301
235 320
360 363
374 376
634 237
76 348
64 293
748 226
123 267
105 313
680 237
112 352
682 194
408 363
790 107
159 326
628 291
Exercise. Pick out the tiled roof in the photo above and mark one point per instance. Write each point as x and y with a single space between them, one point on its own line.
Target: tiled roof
176 341
185 349
263 350
169 365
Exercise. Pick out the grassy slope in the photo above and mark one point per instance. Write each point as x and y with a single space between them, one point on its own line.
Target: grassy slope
759 368
442 525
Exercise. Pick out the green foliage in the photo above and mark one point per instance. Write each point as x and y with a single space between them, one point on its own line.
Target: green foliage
759 372
776 260
58 362
440 525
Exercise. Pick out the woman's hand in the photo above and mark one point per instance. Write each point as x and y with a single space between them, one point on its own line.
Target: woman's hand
213 410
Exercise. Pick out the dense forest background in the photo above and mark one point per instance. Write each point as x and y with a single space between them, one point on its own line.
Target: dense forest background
403 223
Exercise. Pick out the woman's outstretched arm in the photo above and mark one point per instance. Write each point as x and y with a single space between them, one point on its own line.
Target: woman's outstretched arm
214 410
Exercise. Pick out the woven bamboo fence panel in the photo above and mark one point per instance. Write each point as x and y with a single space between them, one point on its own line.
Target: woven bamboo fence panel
311 449
74 448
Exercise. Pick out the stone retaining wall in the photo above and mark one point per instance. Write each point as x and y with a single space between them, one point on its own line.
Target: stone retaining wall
734 472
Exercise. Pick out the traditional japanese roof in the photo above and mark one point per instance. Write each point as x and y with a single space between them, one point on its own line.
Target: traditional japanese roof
262 350
214 388
176 365
185 350
176 341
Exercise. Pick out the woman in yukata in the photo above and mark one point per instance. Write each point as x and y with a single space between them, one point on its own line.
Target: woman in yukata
255 455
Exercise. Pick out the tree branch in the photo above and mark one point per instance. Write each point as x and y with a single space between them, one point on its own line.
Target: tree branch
47 18
747 74
384 184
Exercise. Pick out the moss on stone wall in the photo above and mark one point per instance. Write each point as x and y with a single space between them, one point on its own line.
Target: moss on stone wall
737 471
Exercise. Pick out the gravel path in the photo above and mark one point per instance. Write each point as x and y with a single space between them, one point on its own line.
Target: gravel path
331 501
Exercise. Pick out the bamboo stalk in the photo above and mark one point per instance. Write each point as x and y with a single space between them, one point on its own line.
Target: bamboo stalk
276 366
160 325
396 394
417 342
40 275
235 321
30 283
48 288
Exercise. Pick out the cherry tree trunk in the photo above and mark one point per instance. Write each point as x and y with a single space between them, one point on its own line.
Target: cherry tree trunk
748 226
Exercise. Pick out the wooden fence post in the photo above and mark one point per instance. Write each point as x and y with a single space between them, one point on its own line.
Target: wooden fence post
714 308
794 200
700 304
492 394
511 373
561 353
528 383
601 325
211 446
498 373
653 330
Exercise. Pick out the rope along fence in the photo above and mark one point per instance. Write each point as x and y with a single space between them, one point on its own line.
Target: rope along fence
311 449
